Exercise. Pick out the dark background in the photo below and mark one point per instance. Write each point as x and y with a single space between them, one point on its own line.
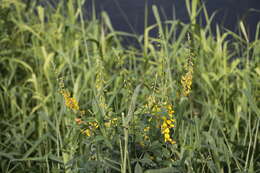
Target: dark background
128 15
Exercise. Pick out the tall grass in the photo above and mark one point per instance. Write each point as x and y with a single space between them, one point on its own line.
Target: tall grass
217 125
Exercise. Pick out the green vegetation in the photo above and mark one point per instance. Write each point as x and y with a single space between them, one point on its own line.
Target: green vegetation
137 117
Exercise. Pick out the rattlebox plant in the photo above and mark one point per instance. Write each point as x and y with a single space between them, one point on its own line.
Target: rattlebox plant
73 98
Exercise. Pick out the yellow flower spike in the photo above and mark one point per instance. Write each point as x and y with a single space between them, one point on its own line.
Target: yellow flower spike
186 82
165 122
70 102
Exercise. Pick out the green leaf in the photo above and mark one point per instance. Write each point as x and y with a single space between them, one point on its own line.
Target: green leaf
162 170
138 168
132 106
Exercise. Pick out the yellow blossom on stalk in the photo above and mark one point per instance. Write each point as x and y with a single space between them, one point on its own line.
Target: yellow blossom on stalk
94 124
70 102
170 111
168 125
164 125
186 80
166 131
90 129
87 132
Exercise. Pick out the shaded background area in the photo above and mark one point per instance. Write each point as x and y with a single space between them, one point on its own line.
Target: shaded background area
129 15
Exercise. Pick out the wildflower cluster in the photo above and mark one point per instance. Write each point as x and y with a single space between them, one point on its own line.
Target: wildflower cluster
165 121
72 104
168 125
186 80
111 122
70 101
91 127
88 128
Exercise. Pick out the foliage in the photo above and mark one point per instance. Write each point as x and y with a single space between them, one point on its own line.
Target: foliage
128 105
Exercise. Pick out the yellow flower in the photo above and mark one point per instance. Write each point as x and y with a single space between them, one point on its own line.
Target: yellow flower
186 82
172 125
164 125
88 132
166 122
70 102
169 122
167 137
167 130
170 113
146 129
94 124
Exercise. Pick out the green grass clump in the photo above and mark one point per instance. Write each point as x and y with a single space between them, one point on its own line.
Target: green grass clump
130 96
